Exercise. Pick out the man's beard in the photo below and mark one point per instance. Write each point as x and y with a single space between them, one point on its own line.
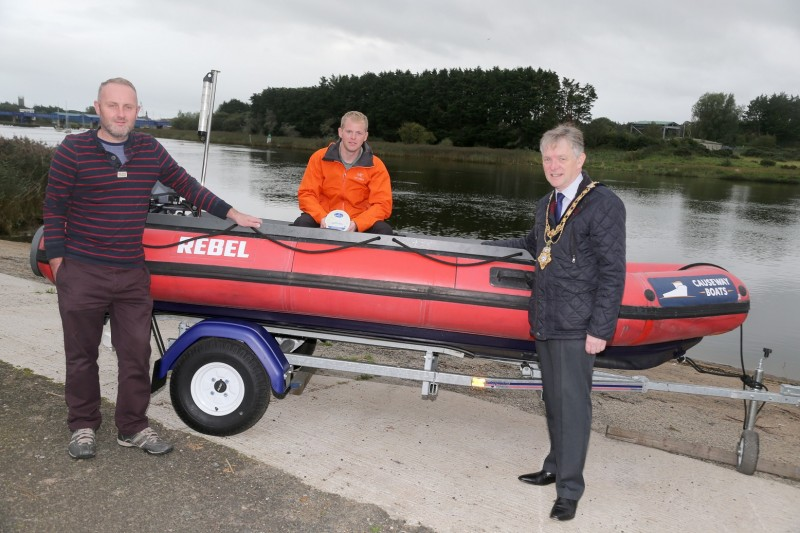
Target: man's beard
118 132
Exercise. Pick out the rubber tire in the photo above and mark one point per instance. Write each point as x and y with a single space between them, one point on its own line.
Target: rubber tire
747 452
238 362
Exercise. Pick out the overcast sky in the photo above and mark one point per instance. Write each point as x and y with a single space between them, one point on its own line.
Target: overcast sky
646 60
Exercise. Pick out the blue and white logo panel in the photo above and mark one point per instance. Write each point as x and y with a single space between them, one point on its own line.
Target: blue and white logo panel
694 290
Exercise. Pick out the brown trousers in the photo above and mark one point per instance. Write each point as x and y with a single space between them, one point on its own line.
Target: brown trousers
85 293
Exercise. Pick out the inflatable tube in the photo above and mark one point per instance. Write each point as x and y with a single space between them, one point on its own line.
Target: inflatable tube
415 288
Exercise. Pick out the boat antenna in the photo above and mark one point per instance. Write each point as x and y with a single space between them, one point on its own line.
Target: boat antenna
206 112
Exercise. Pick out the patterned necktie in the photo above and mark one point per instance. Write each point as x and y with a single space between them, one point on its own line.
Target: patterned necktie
559 203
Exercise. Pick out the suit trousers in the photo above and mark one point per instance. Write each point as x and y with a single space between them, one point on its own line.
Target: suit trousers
566 388
86 292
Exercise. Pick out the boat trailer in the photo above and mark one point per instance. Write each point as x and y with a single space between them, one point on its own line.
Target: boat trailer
223 372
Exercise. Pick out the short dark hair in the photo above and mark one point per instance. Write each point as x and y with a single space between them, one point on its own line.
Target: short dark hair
118 81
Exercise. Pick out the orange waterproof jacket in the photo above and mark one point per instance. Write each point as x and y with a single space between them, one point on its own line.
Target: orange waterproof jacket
364 191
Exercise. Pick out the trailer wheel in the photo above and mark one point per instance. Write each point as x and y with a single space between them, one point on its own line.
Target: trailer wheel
747 452
219 387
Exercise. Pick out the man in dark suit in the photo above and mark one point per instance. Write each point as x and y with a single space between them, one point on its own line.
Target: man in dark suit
578 242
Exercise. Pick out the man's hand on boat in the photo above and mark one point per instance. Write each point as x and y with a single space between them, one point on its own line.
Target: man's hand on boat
242 219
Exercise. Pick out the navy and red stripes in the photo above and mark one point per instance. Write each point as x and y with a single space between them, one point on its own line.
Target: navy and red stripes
95 209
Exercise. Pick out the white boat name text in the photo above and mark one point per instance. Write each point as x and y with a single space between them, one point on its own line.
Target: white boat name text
213 247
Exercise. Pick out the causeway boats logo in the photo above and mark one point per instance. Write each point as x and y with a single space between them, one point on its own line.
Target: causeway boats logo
686 290
679 291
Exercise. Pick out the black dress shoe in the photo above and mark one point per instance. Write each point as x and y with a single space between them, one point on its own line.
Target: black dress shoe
564 509
540 478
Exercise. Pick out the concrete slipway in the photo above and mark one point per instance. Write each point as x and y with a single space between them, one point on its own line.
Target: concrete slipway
451 464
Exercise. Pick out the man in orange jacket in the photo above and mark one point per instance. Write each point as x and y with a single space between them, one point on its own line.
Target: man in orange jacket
347 176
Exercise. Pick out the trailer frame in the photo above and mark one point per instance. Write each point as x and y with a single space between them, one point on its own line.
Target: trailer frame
288 369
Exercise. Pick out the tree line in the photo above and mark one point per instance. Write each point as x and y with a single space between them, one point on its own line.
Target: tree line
496 108
769 120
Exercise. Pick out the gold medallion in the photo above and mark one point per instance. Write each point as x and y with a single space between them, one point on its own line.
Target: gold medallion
544 257
552 236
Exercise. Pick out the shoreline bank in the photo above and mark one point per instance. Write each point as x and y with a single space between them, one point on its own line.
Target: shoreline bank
449 465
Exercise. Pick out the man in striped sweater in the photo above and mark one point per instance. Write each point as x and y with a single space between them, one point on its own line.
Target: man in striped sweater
95 209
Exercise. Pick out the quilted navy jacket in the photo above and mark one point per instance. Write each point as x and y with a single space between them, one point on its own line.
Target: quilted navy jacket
580 291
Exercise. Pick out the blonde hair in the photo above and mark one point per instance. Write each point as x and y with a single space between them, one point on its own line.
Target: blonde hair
355 116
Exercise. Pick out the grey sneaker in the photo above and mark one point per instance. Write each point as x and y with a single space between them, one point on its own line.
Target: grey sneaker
82 444
146 439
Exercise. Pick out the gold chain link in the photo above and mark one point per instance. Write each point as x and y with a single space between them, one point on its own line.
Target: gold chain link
551 236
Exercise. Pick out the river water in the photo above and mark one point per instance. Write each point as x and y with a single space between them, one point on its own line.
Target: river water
751 229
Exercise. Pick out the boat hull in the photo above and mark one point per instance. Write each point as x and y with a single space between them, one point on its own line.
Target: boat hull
448 292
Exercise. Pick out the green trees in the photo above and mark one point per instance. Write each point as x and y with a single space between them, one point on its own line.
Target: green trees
716 117
777 116
576 101
23 178
767 120
186 121
600 132
413 133
232 115
508 108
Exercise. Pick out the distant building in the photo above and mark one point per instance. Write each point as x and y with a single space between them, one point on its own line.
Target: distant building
64 119
668 129
710 145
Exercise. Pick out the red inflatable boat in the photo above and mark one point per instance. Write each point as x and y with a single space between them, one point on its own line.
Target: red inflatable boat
448 292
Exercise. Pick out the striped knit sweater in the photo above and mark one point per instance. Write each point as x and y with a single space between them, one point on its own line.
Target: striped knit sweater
95 209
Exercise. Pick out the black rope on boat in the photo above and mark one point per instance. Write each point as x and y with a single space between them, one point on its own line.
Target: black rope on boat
268 237
327 250
454 263
713 372
334 249
693 265
746 379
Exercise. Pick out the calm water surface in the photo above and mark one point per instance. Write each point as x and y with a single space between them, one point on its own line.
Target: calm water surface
753 230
